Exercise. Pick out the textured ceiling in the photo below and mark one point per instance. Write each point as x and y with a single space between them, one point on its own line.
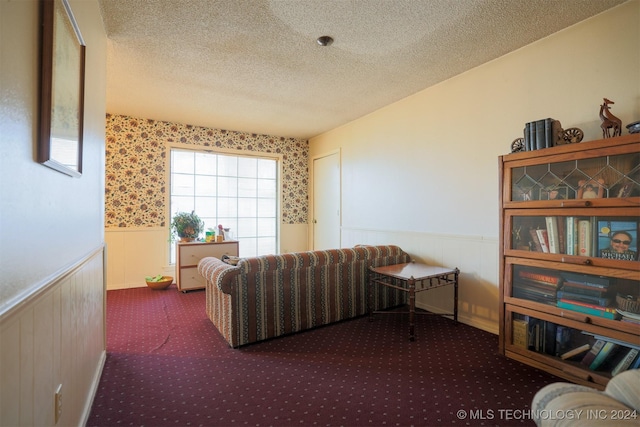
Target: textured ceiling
255 66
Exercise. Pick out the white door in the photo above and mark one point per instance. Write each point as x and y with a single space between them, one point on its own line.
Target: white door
326 202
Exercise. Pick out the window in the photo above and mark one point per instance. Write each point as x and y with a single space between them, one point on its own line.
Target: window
239 192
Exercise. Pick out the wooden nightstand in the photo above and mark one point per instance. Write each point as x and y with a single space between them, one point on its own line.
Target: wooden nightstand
189 254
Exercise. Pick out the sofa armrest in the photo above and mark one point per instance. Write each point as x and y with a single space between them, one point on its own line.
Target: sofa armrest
218 273
564 404
625 387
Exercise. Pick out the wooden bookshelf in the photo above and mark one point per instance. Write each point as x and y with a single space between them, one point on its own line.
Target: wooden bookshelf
569 228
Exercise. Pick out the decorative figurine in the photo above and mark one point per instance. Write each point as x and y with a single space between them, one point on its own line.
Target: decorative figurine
517 145
572 135
609 121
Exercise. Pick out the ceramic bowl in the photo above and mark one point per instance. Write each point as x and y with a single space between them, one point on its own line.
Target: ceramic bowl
634 127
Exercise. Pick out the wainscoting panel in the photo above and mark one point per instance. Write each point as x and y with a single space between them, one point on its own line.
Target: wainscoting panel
54 337
475 256
133 253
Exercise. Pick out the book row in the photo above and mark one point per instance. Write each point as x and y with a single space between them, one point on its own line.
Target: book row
583 236
583 293
541 134
593 352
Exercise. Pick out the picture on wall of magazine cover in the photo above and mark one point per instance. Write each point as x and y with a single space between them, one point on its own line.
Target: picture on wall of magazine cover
618 240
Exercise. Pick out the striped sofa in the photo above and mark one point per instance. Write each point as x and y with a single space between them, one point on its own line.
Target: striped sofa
273 295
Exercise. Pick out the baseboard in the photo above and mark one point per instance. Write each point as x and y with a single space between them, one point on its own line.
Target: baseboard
95 383
483 324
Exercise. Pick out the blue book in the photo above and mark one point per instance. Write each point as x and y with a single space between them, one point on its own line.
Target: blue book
607 350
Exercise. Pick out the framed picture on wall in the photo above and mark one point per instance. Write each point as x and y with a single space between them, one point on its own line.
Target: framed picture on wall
62 89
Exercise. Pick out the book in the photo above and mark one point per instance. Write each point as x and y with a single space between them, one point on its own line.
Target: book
626 361
587 280
540 277
552 234
562 235
535 239
544 240
584 237
594 306
575 352
571 239
527 136
610 235
520 330
607 351
540 135
578 288
563 339
602 302
548 133
595 349
587 310
549 339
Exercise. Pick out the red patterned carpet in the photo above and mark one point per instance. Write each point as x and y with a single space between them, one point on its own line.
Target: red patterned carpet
168 366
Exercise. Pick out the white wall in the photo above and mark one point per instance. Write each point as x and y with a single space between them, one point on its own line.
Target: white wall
423 171
136 252
51 233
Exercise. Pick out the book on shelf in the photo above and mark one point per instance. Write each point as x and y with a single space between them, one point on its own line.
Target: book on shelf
607 351
540 134
584 237
520 331
611 233
543 278
545 296
543 238
587 280
587 310
579 288
535 239
593 352
598 301
589 305
549 339
563 339
626 362
552 234
575 351
571 240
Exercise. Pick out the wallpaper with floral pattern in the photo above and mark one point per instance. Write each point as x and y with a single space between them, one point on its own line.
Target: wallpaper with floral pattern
136 179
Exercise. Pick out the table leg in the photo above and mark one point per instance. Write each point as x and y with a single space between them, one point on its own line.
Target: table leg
370 296
412 308
455 296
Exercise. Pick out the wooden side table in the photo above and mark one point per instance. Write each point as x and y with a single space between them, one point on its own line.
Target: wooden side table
405 277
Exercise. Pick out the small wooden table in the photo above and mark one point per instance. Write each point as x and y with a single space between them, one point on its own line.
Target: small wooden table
405 277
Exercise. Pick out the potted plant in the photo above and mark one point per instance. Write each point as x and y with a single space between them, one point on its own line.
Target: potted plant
188 226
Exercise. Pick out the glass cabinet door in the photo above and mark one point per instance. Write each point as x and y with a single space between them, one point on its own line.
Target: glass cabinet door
589 355
597 177
604 296
576 233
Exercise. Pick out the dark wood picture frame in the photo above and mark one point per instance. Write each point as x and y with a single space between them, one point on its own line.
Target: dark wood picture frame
62 89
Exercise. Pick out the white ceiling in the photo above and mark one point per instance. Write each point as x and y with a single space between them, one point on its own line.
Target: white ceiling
255 66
